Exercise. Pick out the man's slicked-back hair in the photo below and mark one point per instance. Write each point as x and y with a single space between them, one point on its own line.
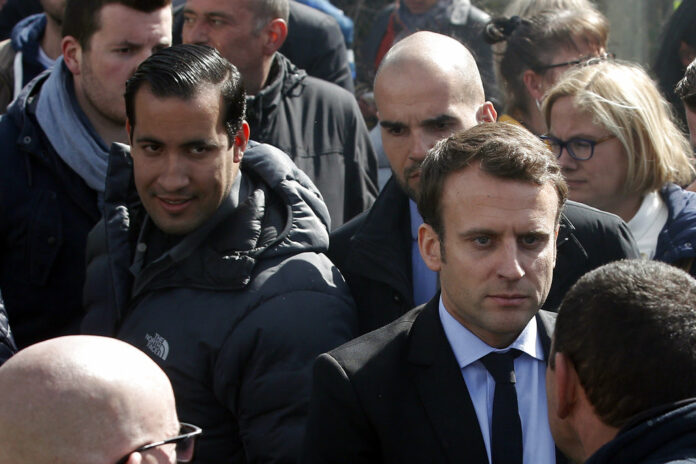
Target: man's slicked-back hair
81 18
267 10
629 329
181 71
502 150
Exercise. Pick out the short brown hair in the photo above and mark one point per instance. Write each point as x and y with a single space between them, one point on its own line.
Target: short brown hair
82 16
629 329
502 150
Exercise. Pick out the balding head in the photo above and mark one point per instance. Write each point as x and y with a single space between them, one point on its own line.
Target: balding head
427 87
437 56
83 399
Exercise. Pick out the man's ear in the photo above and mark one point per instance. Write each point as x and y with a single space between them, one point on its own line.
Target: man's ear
241 139
276 31
534 83
567 384
72 54
486 113
429 246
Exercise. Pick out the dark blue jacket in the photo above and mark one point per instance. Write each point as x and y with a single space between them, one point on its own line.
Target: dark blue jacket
664 437
46 211
677 240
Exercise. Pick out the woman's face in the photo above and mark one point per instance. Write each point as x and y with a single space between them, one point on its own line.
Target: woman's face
598 181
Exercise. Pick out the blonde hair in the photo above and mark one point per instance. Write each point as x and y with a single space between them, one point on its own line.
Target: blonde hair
623 99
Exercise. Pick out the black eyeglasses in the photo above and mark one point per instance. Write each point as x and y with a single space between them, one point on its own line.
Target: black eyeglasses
185 444
585 60
578 148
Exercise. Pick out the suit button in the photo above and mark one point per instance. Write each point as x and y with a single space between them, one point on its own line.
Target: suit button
51 240
27 140
397 298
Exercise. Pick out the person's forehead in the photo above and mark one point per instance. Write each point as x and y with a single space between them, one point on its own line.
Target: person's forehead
497 198
218 6
120 23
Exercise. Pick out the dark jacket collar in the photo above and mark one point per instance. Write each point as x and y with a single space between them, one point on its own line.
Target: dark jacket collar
380 249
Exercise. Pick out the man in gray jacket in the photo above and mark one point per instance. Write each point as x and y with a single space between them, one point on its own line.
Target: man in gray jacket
215 268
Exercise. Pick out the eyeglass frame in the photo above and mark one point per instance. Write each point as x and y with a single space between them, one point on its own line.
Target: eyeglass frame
585 60
565 144
196 431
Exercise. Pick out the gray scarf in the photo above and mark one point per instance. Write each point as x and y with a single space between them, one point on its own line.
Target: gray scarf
69 130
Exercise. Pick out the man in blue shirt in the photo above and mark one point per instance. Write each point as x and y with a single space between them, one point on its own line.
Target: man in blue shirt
461 378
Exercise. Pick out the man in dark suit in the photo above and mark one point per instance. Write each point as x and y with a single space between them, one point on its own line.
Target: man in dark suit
427 88
460 379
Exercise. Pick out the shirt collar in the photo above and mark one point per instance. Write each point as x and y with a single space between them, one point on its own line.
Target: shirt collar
468 348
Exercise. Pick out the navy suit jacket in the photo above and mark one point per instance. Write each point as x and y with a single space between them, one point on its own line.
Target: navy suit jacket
397 395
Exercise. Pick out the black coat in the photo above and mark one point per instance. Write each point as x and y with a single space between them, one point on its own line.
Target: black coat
320 126
373 252
235 313
397 395
46 212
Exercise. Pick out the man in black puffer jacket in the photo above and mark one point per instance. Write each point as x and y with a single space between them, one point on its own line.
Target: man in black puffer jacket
216 267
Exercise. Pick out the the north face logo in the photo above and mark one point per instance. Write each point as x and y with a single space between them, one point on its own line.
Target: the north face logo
158 345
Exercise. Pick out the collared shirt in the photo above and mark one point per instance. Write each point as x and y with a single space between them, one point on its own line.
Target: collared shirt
424 280
530 371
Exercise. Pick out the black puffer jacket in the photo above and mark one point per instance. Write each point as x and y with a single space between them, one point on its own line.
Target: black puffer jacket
320 126
235 313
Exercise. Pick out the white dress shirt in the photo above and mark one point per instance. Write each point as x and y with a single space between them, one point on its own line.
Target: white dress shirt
530 370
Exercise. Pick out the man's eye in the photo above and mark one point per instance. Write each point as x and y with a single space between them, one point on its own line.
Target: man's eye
531 241
482 241
396 131
123 50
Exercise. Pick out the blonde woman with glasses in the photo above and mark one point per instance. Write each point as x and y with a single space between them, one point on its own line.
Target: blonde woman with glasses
621 151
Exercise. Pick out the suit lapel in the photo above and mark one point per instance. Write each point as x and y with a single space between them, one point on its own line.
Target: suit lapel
442 389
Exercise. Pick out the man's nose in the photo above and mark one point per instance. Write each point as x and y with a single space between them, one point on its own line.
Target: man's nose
173 176
510 265
421 144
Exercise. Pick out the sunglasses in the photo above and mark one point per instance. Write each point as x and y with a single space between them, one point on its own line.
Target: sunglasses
185 444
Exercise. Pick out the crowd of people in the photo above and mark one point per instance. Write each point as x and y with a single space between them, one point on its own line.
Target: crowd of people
203 260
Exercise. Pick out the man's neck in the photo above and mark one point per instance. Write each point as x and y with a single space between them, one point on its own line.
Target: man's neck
255 81
51 40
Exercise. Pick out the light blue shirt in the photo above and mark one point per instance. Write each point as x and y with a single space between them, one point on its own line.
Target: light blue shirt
530 370
424 280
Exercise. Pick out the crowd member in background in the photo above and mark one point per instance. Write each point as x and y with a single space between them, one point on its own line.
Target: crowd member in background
55 138
317 123
428 88
218 272
537 50
326 58
527 8
7 343
622 152
35 45
676 51
456 18
635 321
84 400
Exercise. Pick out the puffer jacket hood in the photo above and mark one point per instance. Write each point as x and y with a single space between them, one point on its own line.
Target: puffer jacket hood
677 240
28 31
